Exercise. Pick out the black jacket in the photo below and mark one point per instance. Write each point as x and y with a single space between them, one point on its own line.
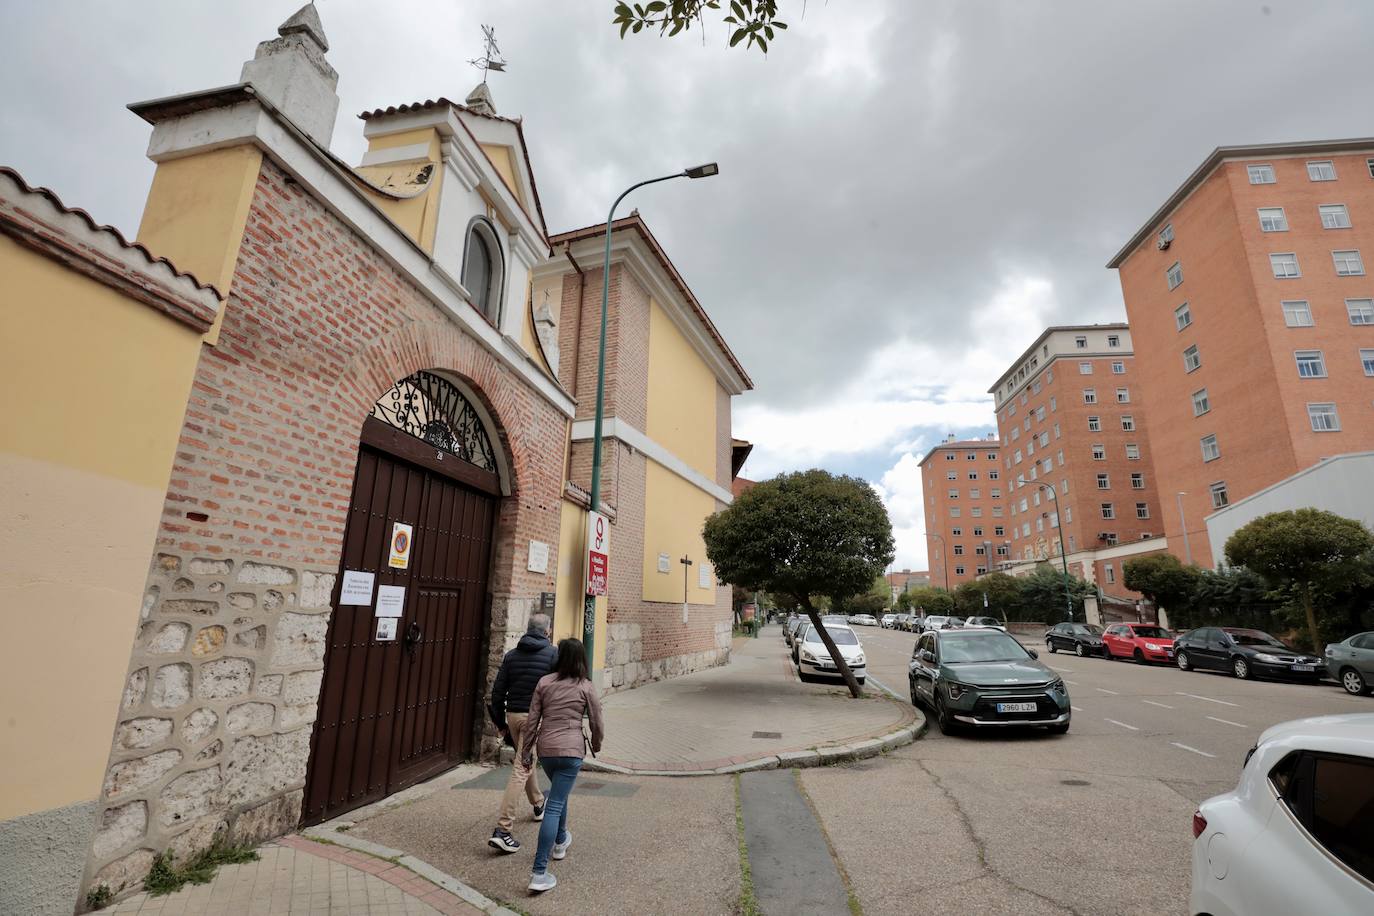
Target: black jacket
521 669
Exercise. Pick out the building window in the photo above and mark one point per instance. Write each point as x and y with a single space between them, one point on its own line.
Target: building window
1054 403
1348 263
978 550
1219 495
1123 395
958 570
994 474
482 269
1104 482
1165 237
1201 403
949 456
1045 439
1260 174
995 493
1040 414
982 570
975 493
1109 572
1285 265
1174 275
1035 387
1367 361
1322 170
954 512
1059 457
1099 452
1068 520
1080 342
1310 364
1361 311
951 475
1137 481
956 532
953 494
1183 316
1113 340
972 475
1016 457
1191 358
1003 550
998 531
1085 368
1089 395
1272 219
1297 313
958 550
971 456
1210 450
1323 417
1056 431
997 511
1128 424
1118 368
1094 424
1132 451
1334 216
1015 433
1369 164
1142 510
1108 510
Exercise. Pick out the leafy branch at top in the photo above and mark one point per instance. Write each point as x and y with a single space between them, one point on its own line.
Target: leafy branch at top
753 22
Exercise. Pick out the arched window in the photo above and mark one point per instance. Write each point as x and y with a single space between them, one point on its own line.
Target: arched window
482 269
432 408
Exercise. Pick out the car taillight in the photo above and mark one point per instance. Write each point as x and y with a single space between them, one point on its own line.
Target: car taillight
1199 824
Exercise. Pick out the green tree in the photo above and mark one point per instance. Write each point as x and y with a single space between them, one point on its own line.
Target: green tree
804 534
753 22
1302 553
1042 594
1165 581
873 601
1004 596
928 601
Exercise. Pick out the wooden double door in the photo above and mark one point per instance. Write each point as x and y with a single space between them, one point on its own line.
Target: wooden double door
393 712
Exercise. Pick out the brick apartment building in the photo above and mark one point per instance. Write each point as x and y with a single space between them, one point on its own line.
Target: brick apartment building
1071 416
1252 314
962 484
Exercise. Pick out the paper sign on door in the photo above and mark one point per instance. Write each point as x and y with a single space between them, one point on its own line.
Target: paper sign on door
401 537
391 600
386 629
357 587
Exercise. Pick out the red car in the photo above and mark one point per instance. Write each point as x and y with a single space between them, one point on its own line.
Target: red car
1144 642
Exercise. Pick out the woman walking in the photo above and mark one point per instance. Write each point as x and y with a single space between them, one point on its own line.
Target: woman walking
560 701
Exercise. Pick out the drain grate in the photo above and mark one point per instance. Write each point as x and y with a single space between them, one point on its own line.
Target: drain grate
774 735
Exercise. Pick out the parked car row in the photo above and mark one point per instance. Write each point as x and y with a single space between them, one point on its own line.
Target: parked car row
915 623
1242 652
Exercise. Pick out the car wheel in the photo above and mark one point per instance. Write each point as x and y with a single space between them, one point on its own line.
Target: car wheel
1060 729
1241 668
1139 657
859 681
915 700
1049 644
805 678
1353 682
1182 661
1079 650
942 717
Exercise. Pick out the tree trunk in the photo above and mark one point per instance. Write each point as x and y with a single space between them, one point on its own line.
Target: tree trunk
1312 621
854 689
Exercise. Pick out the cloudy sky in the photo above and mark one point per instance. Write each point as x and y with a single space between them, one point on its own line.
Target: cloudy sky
910 190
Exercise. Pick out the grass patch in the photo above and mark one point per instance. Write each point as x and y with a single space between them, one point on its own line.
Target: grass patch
98 897
167 877
747 904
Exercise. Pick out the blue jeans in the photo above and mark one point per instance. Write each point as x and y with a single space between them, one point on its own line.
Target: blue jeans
562 773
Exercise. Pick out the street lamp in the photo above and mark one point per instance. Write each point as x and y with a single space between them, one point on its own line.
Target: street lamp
1063 554
589 604
1182 520
944 557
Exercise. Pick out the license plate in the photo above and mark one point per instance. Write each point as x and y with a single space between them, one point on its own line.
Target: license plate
1304 668
1016 707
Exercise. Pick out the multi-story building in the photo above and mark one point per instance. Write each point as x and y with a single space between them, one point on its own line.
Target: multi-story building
904 580
1076 452
1253 319
962 483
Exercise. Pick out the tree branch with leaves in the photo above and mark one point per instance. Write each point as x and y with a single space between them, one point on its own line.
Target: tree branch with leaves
755 23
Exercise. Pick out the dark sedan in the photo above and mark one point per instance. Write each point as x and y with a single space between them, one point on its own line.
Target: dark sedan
1079 638
1244 653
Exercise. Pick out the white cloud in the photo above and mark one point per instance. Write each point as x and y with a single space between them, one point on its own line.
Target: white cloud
900 489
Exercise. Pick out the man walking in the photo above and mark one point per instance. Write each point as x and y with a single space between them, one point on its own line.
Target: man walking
521 669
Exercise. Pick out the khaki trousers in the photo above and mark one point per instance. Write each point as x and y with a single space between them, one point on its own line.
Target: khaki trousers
521 777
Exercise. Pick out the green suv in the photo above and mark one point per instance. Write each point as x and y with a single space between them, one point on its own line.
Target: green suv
985 678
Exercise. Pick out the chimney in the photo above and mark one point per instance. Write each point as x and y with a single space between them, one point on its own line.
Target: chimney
479 100
290 72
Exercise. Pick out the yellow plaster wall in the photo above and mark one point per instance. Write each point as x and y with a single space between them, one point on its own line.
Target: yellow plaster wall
568 603
417 216
674 512
681 396
98 386
500 157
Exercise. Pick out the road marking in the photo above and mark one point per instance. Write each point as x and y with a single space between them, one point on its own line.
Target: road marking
1208 699
1227 722
1070 683
1160 705
881 686
1193 749
1105 690
1066 670
1076 708
1123 725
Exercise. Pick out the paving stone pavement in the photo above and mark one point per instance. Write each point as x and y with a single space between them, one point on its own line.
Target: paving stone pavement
299 876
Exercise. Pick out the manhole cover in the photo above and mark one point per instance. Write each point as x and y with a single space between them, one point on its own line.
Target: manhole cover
767 734
591 784
1074 782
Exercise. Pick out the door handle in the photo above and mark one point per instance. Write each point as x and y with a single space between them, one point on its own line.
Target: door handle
413 637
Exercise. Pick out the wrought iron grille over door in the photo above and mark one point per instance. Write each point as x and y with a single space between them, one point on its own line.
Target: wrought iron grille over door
431 408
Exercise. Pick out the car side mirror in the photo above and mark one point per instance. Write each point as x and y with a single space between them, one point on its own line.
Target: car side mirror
1033 653
927 656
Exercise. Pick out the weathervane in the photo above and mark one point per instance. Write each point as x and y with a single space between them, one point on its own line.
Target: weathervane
491 58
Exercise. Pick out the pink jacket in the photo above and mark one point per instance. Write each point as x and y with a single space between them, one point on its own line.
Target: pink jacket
557 710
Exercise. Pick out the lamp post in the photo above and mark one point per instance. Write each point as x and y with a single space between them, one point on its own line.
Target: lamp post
944 559
1182 520
1063 554
589 605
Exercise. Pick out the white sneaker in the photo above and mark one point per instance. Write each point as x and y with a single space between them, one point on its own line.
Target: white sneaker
560 850
540 883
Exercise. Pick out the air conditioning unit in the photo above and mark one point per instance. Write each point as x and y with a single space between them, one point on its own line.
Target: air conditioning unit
1163 244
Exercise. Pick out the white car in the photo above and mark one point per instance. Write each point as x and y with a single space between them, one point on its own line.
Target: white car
1297 834
813 658
888 621
987 623
936 622
864 620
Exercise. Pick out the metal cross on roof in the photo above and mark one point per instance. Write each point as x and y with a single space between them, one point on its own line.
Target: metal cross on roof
491 58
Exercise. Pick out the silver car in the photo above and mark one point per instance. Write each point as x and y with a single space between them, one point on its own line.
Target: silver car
1351 662
813 658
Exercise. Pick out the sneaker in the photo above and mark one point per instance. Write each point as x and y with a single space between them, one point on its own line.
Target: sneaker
540 883
538 812
560 850
502 841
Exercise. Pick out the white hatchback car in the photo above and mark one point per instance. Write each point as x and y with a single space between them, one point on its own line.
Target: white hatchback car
1297 834
813 658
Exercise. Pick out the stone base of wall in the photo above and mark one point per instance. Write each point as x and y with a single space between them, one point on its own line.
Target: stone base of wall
626 666
41 857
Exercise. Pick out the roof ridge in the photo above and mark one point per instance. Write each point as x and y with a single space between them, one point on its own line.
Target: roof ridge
432 103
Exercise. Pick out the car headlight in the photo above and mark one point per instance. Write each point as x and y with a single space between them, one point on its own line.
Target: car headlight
954 690
806 654
1154 647
1058 687
857 660
1267 658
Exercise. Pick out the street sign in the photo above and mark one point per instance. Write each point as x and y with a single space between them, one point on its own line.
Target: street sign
598 552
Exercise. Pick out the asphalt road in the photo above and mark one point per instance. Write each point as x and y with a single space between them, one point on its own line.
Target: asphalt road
1095 821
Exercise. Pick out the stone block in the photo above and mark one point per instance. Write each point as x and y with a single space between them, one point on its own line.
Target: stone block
149 600
135 689
619 653
210 751
196 727
131 775
269 685
617 675
189 607
291 716
118 828
302 687
124 873
208 641
224 678
171 638
249 717
244 601
254 638
189 796
215 588
266 574
316 589
261 766
632 673
183 585
272 599
300 639
196 838
172 686
207 566
143 732
272 819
